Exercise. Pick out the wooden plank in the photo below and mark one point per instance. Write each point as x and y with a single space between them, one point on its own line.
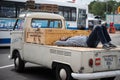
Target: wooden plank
49 36
49 7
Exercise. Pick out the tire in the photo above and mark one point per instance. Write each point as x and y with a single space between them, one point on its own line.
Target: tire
19 64
63 72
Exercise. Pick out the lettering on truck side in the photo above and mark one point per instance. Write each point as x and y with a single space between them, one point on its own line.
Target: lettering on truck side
60 52
16 40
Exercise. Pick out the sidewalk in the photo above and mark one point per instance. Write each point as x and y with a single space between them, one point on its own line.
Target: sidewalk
115 32
115 37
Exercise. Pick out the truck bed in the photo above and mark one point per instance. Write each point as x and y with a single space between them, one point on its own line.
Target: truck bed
99 48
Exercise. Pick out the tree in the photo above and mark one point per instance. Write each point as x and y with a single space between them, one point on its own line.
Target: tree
101 8
97 8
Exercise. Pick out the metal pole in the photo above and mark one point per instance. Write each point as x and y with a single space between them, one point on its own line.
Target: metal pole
114 10
106 7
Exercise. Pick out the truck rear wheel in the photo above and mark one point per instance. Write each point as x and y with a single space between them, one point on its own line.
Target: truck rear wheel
18 63
63 72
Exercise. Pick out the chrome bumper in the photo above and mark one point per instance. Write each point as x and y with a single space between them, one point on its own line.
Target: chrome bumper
97 75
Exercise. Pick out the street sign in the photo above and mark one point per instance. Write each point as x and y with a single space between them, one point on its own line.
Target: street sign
118 10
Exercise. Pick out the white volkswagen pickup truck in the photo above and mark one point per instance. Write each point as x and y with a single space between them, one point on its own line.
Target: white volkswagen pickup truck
31 41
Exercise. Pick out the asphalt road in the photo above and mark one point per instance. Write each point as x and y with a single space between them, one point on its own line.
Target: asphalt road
32 72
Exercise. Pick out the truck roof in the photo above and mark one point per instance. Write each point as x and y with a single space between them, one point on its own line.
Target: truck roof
41 15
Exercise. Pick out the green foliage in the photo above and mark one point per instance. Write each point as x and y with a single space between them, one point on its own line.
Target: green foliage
103 8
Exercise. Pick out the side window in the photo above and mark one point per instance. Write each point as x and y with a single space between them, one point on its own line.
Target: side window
46 23
19 25
73 14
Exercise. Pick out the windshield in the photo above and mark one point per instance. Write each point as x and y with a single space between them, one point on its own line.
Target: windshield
19 24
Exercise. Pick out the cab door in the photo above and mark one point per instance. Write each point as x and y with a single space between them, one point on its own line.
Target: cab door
17 35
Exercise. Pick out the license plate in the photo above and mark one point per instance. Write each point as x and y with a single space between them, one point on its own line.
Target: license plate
109 61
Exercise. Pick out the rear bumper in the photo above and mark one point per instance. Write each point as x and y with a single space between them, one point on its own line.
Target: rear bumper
97 75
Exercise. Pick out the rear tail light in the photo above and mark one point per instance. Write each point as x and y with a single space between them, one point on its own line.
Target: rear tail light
91 62
97 61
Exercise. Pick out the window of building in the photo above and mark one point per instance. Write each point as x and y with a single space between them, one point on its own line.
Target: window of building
73 14
82 18
9 9
69 13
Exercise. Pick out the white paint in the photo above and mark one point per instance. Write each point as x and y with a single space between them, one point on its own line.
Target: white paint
2 67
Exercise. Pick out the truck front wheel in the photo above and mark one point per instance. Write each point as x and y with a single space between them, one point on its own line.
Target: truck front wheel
63 72
18 63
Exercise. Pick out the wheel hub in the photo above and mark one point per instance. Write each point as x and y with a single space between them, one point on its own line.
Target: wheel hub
63 74
17 61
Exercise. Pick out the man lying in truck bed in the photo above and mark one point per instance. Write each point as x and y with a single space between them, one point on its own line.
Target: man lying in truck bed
98 34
